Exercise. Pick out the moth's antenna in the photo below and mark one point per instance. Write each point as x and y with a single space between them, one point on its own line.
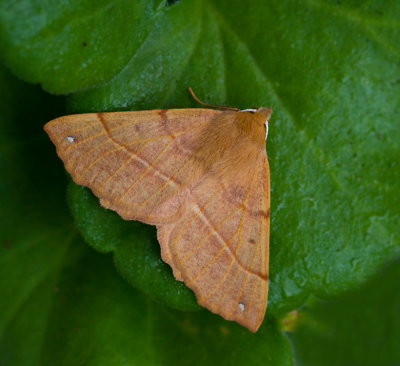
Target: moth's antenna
222 107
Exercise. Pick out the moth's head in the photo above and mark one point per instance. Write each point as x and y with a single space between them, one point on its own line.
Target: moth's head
257 120
265 113
261 115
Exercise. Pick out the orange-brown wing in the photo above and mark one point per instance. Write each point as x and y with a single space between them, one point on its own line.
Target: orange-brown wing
135 162
220 246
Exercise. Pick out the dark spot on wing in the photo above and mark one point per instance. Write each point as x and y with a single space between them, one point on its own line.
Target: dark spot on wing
163 115
264 214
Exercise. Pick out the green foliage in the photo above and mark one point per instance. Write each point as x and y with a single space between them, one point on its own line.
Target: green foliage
62 303
373 310
73 45
329 70
137 252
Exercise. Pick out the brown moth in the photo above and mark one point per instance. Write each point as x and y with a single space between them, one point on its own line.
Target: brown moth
201 176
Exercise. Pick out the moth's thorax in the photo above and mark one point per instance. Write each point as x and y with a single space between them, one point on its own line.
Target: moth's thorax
233 140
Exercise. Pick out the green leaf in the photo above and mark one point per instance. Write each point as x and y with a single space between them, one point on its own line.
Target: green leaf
61 303
94 318
73 45
329 71
137 252
361 327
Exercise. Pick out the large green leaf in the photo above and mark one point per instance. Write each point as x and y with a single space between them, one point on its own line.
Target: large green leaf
334 136
61 303
330 71
361 327
73 45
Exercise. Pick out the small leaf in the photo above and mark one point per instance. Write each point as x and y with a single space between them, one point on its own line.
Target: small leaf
137 252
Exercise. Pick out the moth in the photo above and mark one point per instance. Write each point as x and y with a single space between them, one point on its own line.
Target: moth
200 175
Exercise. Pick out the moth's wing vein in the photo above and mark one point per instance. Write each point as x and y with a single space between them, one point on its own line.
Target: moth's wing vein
139 162
226 271
238 232
148 168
